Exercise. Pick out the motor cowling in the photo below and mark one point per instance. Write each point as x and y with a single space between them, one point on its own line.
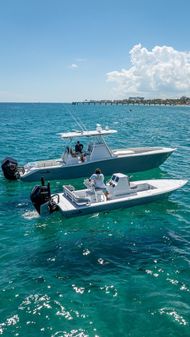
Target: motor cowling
40 195
10 168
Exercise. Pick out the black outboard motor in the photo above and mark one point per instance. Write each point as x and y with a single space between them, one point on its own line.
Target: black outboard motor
40 195
10 168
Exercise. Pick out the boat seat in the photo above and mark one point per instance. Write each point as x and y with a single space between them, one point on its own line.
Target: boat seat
81 200
69 191
99 195
69 187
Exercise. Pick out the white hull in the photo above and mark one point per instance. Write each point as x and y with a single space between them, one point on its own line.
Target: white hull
158 189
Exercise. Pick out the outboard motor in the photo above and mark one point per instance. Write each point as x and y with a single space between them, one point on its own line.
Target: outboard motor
10 168
41 195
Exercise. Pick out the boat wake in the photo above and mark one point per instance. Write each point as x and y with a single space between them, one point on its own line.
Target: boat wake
29 215
95 215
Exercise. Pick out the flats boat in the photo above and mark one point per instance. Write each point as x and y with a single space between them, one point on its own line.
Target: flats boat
121 194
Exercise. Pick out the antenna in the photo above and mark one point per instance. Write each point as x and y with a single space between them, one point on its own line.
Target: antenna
78 121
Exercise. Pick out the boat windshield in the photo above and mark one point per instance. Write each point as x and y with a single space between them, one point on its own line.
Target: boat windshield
115 178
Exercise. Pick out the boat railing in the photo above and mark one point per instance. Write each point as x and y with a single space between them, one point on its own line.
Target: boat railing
43 163
55 197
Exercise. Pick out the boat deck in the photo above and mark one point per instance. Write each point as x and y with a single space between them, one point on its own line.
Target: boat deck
139 150
45 163
139 189
65 204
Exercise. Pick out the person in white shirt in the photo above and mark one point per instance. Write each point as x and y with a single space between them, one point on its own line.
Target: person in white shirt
97 179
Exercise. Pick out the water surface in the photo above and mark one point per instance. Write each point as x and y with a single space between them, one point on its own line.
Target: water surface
124 273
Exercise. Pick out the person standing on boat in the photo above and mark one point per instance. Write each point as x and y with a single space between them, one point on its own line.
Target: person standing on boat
97 179
78 147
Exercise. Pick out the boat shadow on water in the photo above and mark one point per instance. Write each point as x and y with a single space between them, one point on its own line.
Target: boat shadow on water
107 258
107 243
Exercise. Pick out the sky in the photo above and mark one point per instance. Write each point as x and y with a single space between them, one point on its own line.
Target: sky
72 50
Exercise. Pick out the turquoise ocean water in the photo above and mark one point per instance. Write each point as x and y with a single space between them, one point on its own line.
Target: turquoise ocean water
124 273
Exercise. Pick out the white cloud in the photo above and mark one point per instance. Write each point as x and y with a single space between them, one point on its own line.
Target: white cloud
161 72
73 66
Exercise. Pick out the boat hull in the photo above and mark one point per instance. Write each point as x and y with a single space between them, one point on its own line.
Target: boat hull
126 164
113 206
162 188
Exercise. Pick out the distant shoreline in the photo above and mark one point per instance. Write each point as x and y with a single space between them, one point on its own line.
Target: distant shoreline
147 102
183 101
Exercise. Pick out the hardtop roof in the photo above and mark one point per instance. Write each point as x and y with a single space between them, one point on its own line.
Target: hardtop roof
85 133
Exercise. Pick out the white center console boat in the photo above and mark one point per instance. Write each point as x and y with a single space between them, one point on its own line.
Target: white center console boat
121 194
